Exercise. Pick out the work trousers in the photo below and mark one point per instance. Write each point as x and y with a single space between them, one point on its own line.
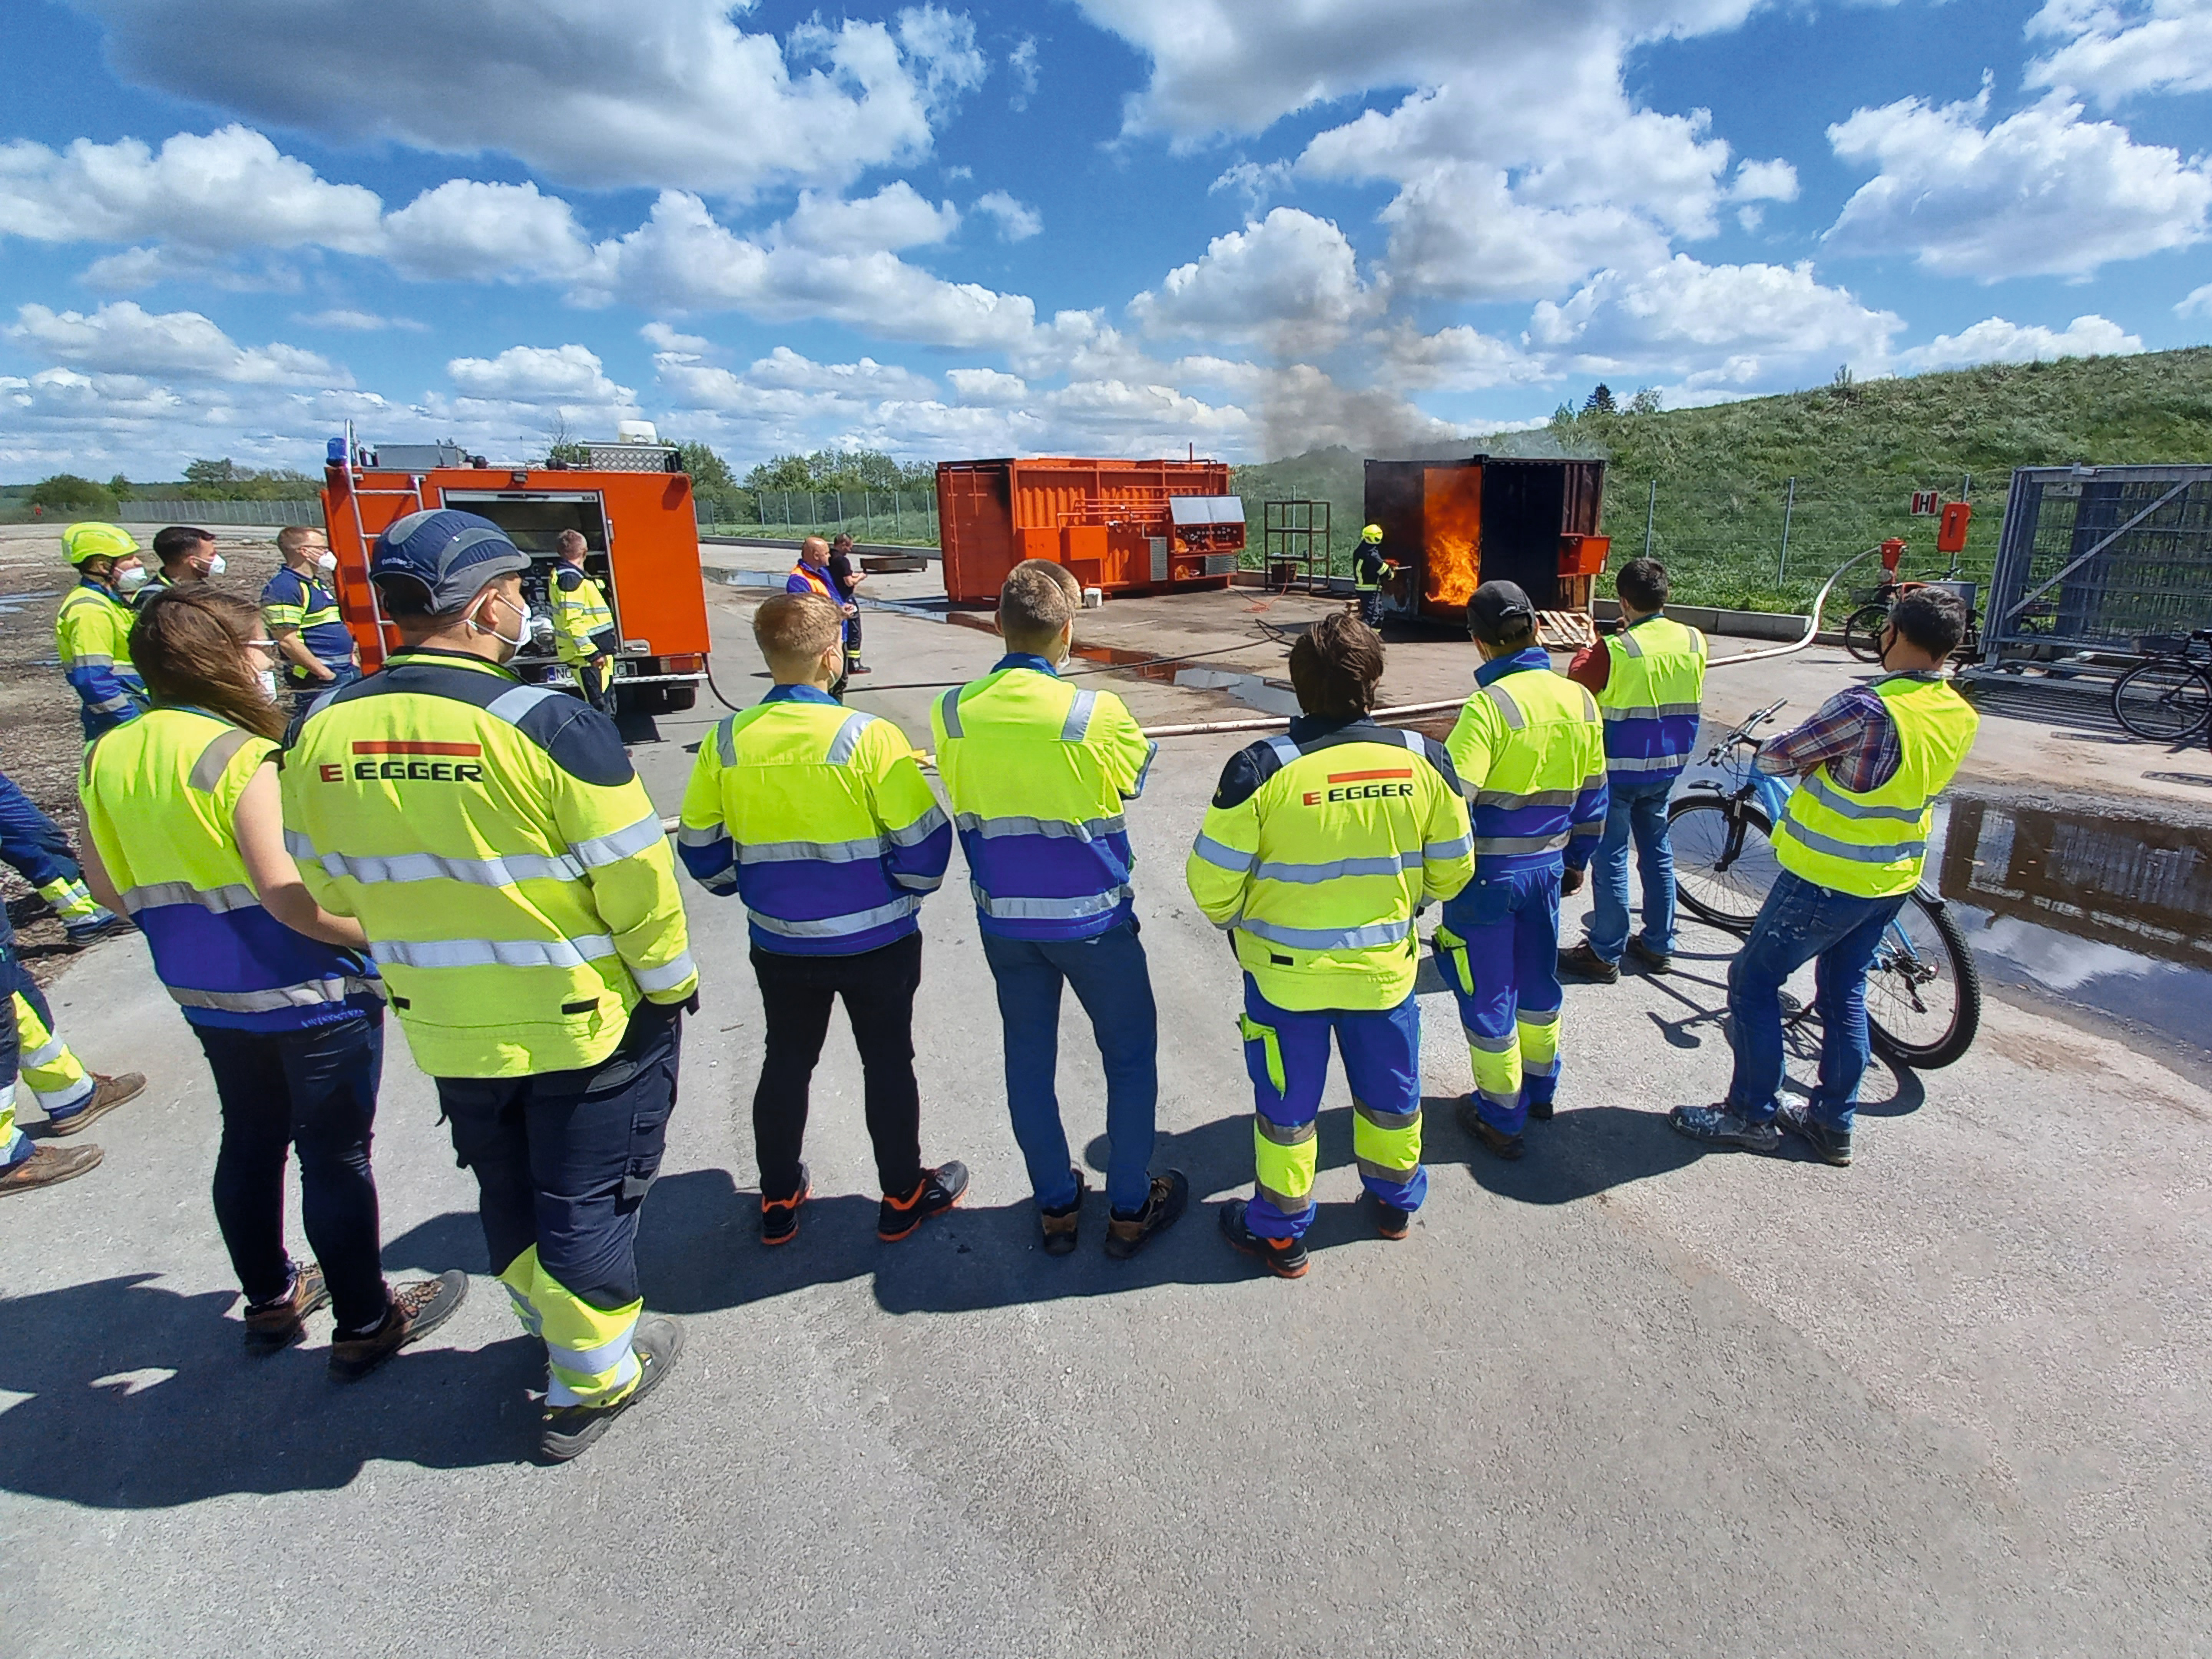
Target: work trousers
1802 922
853 639
1370 606
34 845
314 1089
1498 949
1112 981
304 693
797 993
1638 812
563 1162
1286 1055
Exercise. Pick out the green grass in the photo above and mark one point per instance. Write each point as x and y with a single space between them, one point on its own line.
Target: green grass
1724 471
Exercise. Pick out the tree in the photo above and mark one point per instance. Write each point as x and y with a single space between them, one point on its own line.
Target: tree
226 481
209 472
830 469
1645 402
1844 388
65 492
119 487
708 470
561 444
1601 401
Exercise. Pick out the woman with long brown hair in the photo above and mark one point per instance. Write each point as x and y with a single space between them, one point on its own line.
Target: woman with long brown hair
185 833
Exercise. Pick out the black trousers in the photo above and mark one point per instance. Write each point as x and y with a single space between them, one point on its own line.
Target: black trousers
852 637
563 1159
797 992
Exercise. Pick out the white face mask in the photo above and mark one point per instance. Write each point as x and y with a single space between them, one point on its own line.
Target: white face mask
130 578
326 561
268 678
513 642
215 565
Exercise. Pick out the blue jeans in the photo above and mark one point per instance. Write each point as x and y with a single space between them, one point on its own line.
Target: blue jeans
1638 809
1115 987
1799 922
304 695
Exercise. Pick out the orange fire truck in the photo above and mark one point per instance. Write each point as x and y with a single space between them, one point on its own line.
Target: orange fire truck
640 528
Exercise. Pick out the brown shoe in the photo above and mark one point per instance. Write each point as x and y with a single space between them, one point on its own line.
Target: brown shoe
277 1325
108 1093
1061 1226
1164 1207
416 1310
49 1166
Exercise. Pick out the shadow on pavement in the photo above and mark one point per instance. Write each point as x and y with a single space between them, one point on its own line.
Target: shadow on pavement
1585 1151
142 1398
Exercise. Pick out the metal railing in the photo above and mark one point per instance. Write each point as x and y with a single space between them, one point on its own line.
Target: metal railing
908 516
309 511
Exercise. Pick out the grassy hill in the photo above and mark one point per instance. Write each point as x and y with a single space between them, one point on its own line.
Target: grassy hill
1857 453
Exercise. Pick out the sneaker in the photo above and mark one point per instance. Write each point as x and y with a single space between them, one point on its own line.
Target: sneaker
48 1166
272 1327
859 668
1390 1220
1658 962
108 1093
1164 1207
780 1216
565 1431
1285 1258
1060 1225
1582 962
1725 1127
417 1308
1829 1145
99 925
938 1190
1494 1141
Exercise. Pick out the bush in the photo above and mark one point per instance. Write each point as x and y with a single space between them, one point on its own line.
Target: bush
67 493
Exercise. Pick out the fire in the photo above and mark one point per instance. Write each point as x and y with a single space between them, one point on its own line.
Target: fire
1451 562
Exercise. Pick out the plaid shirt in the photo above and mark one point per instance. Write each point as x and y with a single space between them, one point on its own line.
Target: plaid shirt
1852 733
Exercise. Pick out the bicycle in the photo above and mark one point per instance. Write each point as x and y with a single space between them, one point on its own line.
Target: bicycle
1863 629
2168 697
1924 992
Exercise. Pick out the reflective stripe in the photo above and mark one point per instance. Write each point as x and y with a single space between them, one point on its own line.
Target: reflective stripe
48 1054
1458 847
512 706
306 994
1389 1174
847 739
1286 1202
1388 1122
948 710
1505 844
619 844
1895 852
215 759
1648 763
1049 910
111 705
1152 754
221 900
1630 644
1491 1045
324 702
1653 711
59 1101
1328 938
592 1361
920 830
855 921
532 1322
492 952
1078 717
1062 828
1221 856
667 976
433 867
1310 874
1836 801
825 851
560 1392
727 739
1285 1134
713 835
1504 800
1285 751
91 659
1515 719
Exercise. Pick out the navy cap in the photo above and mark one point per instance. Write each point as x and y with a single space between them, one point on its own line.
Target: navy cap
448 555
1497 606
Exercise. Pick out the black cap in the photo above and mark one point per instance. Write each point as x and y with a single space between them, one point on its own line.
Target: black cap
1496 607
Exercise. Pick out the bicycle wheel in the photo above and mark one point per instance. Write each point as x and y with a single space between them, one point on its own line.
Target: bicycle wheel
1862 632
2165 700
1724 860
1924 994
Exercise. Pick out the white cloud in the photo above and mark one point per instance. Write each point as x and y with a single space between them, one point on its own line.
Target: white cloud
464 230
2115 49
1291 278
1461 232
988 388
540 374
1994 340
2040 193
1763 181
895 216
1455 359
786 370
122 339
2198 303
661 338
1022 67
1018 220
360 322
597 92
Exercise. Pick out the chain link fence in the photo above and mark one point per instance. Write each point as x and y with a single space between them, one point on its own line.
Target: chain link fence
308 512
902 517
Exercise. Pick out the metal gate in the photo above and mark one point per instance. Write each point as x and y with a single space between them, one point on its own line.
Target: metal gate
2115 560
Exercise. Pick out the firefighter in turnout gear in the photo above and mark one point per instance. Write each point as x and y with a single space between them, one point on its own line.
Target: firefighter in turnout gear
583 626
1318 850
1530 752
522 902
1369 571
92 629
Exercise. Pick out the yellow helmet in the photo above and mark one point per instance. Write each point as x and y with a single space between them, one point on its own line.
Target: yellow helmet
94 540
1372 534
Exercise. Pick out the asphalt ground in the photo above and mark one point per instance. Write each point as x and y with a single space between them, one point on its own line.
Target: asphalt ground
1617 1399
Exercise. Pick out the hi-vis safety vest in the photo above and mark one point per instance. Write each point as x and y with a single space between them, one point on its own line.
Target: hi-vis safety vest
1037 772
583 627
161 800
503 856
1654 686
818 818
805 579
1873 844
92 635
1530 755
1315 853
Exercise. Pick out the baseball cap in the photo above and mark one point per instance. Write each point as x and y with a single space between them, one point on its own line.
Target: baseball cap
1497 606
447 554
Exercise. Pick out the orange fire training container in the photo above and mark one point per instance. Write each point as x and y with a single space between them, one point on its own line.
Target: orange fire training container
1451 525
640 534
1121 526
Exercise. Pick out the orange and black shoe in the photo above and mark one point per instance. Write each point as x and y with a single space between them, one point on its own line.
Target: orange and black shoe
780 1216
938 1191
1390 1220
1285 1258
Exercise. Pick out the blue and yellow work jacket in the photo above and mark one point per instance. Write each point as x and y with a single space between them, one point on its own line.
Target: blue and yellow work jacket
291 600
92 635
1530 753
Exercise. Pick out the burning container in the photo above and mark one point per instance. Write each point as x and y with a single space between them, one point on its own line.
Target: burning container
1451 525
1122 526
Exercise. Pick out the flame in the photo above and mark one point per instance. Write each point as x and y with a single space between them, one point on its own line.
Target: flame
1452 562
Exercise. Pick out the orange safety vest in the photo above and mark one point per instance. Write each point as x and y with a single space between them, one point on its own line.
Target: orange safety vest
818 580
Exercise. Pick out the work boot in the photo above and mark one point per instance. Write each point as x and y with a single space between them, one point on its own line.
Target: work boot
48 1166
565 1431
1722 1126
1582 962
859 668
1164 1207
417 1308
1659 962
1060 1225
1496 1142
108 1093
780 1216
272 1327
1829 1145
83 930
938 1191
1539 1111
1285 1258
1390 1220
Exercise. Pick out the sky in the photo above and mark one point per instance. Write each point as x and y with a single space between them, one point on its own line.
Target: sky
1091 226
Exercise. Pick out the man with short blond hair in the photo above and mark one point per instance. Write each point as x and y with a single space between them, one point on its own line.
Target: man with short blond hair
299 608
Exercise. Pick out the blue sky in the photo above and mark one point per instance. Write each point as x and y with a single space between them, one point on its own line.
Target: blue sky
1113 227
